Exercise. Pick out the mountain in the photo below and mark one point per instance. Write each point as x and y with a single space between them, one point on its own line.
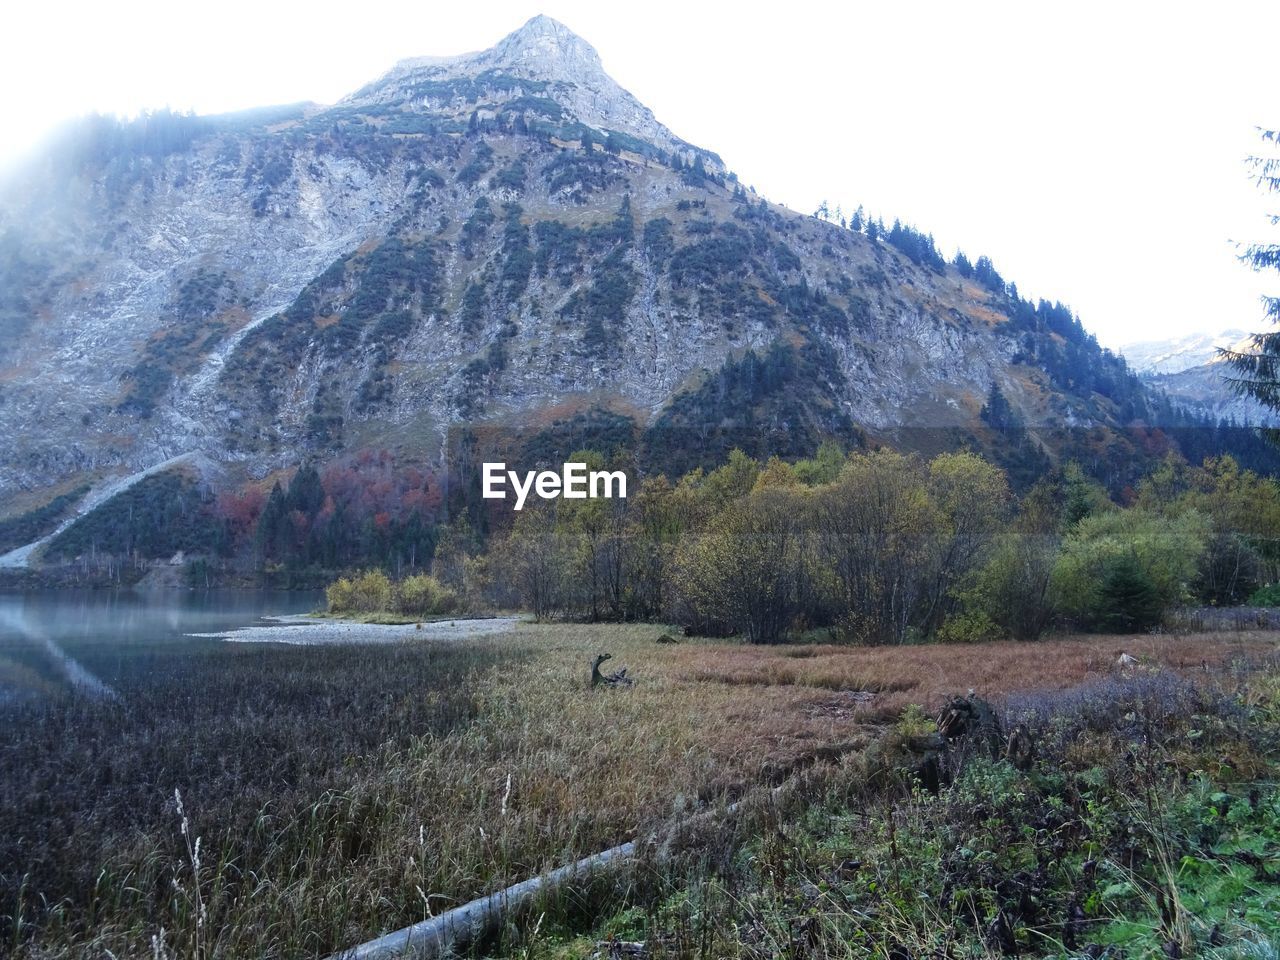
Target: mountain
1191 373
543 71
1179 353
506 242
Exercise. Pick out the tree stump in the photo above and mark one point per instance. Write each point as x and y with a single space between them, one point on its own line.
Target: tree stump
971 718
1021 748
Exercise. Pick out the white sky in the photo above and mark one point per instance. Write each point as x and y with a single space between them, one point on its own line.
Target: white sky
1093 150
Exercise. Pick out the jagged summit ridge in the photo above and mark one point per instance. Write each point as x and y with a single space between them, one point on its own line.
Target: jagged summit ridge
558 68
543 48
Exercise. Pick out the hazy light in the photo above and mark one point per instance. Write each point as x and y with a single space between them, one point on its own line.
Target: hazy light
1094 151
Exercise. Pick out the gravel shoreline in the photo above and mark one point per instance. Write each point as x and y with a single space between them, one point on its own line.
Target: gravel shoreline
308 631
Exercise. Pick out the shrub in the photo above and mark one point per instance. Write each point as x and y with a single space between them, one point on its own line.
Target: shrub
1268 596
1166 550
424 595
972 626
746 569
371 592
341 596
1012 588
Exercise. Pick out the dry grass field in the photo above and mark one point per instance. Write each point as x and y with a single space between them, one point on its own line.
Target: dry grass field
345 791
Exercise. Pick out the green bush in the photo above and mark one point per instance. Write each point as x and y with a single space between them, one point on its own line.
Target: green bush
423 595
1094 578
1268 596
1011 590
370 592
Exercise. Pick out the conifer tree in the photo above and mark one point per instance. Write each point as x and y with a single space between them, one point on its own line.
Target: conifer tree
1259 366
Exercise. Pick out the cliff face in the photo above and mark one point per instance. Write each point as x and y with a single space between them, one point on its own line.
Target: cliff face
503 237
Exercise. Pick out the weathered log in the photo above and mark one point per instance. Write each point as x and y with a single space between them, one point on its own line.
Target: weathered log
619 679
453 931
444 935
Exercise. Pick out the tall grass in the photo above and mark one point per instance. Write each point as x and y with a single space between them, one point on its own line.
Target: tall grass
331 793
1146 826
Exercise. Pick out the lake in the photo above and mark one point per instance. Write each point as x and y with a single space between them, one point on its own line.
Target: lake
89 640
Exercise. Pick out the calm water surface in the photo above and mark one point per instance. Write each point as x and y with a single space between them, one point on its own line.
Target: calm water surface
90 640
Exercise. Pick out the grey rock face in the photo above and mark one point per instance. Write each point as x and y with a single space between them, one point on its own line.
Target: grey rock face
231 300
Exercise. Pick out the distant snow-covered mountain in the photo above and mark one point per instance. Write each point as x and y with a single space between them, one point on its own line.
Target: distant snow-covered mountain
1189 370
1179 353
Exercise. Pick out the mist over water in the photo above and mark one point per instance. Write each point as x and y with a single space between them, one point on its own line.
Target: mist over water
87 641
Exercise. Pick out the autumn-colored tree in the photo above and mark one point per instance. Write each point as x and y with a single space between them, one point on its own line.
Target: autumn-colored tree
535 560
1011 588
876 526
1243 510
654 529
746 569
973 500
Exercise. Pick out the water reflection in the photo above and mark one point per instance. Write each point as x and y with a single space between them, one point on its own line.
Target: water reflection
87 641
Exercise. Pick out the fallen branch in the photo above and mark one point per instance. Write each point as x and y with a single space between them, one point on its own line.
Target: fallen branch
451 932
444 935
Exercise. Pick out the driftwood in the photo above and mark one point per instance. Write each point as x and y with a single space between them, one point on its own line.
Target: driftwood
452 932
619 679
455 930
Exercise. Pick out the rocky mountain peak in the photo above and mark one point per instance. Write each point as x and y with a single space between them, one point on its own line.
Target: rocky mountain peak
547 47
543 71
